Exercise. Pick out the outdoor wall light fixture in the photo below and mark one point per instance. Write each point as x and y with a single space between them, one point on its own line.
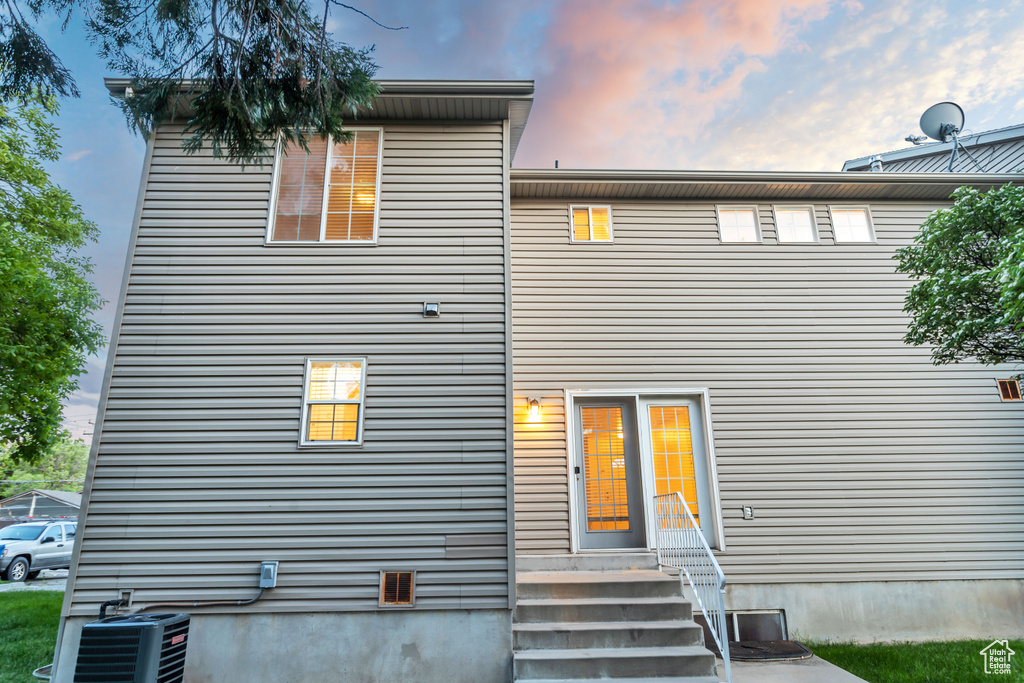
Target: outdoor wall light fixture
431 310
534 409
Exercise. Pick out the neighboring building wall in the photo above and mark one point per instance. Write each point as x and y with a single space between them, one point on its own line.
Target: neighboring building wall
198 475
862 460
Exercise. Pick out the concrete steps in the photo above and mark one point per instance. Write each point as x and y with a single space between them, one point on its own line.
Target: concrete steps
622 623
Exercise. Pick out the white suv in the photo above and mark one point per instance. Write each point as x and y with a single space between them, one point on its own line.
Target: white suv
27 548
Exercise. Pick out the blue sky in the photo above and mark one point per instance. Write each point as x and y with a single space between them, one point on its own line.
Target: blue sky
732 84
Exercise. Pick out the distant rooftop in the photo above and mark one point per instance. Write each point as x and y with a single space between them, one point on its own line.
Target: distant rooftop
997 151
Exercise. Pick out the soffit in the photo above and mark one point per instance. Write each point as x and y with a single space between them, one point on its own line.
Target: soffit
432 100
743 185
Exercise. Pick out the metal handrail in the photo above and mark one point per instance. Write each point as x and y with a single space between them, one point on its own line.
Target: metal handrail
682 546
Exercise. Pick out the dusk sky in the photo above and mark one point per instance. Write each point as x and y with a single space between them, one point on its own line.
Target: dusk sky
797 85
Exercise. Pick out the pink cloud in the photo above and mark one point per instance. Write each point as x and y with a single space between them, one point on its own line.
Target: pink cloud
622 71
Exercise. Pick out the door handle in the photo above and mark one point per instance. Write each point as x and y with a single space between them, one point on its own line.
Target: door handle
60 545
576 471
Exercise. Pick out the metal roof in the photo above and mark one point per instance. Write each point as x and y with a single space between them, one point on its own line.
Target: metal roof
970 141
744 185
66 497
419 100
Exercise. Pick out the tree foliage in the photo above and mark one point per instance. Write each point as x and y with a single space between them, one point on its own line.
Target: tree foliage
46 300
60 468
239 73
968 302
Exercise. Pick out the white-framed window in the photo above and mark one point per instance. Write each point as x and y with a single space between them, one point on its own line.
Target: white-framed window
332 403
795 224
590 224
738 224
851 224
329 194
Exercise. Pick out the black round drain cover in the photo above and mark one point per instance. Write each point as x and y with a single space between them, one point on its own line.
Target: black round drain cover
766 650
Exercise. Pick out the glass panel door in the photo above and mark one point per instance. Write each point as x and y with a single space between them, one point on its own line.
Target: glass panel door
610 505
673 433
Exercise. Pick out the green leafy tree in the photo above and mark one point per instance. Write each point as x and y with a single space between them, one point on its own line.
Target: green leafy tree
250 71
968 302
46 300
60 468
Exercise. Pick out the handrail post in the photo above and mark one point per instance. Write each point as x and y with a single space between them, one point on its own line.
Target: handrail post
682 546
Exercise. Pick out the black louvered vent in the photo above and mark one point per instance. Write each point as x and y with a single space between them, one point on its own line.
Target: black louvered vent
396 588
108 656
172 654
1009 389
139 648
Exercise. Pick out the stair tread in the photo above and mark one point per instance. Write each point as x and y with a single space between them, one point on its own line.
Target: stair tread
673 599
622 653
611 576
599 625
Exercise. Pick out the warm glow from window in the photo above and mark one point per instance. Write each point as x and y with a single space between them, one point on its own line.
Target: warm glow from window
591 224
348 170
605 472
334 394
672 448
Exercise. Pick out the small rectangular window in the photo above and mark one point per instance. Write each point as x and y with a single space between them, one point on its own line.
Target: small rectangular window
738 224
851 224
591 223
332 410
396 588
1009 389
328 194
795 224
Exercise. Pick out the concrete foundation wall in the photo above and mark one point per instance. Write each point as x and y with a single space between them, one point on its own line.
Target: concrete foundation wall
892 610
455 646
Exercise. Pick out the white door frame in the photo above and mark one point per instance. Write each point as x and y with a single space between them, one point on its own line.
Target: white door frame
646 464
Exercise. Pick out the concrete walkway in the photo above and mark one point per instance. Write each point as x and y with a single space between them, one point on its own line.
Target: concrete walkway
49 580
813 670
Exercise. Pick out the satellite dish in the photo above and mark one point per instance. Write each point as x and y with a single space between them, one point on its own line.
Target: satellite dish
940 121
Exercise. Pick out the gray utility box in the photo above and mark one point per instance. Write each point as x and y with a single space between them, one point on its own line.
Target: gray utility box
137 648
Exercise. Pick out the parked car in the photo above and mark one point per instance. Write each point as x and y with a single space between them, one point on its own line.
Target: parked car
26 549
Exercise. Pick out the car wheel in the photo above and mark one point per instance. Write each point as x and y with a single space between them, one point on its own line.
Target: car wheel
17 570
32 576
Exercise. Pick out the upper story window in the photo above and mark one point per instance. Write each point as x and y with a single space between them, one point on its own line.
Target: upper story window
795 224
332 409
330 193
591 223
851 224
738 224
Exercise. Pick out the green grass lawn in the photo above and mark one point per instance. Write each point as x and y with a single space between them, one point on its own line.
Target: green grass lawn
28 632
949 662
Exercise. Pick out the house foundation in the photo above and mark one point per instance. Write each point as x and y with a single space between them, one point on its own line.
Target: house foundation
450 646
878 611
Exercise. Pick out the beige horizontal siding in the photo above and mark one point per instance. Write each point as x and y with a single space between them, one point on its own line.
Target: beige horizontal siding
199 476
861 459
